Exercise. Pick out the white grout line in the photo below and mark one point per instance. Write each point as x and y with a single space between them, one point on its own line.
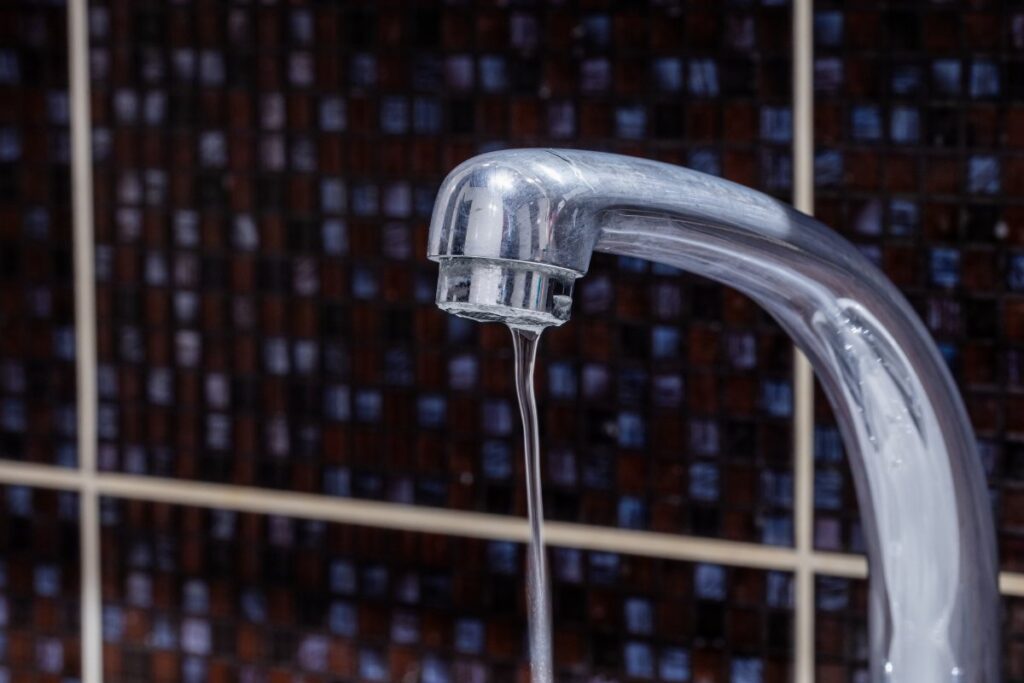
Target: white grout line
85 339
1011 583
446 521
803 376
443 521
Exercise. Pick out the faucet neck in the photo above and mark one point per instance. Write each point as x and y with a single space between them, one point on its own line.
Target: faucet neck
924 505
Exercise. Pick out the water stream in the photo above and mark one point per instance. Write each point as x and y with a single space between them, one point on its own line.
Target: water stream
538 591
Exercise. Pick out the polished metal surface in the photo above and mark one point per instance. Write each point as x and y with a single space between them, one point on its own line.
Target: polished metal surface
511 230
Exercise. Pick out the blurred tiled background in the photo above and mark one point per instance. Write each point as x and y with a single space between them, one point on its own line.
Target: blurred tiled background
39 585
264 178
264 173
37 376
184 602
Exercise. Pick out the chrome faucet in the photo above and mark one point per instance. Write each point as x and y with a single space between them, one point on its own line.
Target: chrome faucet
513 230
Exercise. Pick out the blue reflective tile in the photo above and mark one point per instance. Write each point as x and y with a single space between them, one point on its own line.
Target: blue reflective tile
747 670
338 481
984 79
946 77
369 405
905 79
562 380
432 411
459 73
399 367
496 460
374 581
828 444
562 467
493 78
463 372
944 266
372 665
674 665
777 487
703 78
828 75
638 614
665 342
905 125
503 557
704 436
983 174
866 123
631 122
604 568
562 119
363 70
597 30
828 489
904 217
427 73
342 619
833 594
709 582
776 124
469 636
567 565
435 670
334 236
777 529
668 74
333 114
779 590
595 75
599 471
365 199
632 385
632 513
706 161
828 28
776 168
828 167
639 660
777 397
1015 272
631 430
427 115
704 482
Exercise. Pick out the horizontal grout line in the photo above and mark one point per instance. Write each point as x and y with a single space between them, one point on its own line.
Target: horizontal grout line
838 564
41 476
1011 583
447 522
443 521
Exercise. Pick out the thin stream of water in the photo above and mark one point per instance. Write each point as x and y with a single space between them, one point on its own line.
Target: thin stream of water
538 592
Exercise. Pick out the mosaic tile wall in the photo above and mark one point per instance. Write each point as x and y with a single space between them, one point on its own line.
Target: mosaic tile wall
264 177
841 640
920 134
37 375
39 585
207 595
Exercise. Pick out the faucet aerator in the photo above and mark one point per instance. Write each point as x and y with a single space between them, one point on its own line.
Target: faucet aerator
517 293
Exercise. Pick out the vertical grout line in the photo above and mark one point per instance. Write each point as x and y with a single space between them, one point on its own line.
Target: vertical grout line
803 376
85 340
803 380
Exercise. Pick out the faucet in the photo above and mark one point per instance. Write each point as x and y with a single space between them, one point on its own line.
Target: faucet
513 230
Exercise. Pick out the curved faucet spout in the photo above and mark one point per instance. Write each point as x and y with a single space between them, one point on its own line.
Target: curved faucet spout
513 230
